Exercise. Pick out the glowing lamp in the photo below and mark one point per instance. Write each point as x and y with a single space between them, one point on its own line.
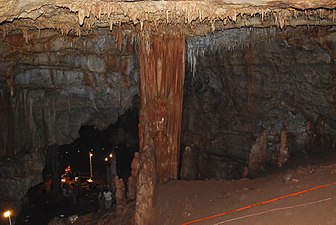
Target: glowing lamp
90 158
111 155
7 213
106 159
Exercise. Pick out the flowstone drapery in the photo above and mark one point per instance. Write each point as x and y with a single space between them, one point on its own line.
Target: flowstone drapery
161 62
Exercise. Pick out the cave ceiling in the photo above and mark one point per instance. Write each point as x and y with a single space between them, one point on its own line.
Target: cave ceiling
184 17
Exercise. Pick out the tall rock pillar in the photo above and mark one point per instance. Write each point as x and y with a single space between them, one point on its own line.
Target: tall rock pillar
162 67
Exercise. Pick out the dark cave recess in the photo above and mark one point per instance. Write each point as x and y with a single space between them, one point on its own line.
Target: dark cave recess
254 98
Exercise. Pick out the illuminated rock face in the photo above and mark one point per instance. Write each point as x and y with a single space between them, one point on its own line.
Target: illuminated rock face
55 84
236 99
60 83
245 86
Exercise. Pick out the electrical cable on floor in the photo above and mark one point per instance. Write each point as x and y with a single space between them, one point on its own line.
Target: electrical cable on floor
260 203
272 210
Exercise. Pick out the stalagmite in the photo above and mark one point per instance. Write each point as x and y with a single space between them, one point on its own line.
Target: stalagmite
188 167
132 180
283 148
147 180
120 195
258 154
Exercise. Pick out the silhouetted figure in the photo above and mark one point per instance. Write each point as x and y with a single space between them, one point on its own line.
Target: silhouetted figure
101 201
108 198
66 192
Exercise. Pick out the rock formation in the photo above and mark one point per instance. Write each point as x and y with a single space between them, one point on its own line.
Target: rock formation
188 165
233 94
249 64
61 83
120 195
133 179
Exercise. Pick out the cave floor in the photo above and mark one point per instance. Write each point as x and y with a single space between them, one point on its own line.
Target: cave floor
180 202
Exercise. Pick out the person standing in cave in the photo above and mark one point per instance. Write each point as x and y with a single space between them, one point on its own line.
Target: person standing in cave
66 198
101 201
108 198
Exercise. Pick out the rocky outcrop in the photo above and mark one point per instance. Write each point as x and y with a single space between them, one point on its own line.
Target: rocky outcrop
61 83
243 82
56 84
20 173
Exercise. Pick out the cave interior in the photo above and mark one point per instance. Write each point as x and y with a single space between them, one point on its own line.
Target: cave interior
225 92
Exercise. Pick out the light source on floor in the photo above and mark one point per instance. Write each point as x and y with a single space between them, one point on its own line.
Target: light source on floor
90 158
7 214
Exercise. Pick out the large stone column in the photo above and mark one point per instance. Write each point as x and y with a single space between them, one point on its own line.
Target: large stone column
162 67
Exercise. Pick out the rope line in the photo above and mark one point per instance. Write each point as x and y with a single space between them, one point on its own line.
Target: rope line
272 210
258 204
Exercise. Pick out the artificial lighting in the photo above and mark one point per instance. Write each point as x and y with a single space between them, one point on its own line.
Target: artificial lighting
63 180
111 155
106 159
7 214
90 158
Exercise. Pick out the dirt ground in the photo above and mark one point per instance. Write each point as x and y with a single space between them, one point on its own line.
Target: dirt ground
182 202
301 193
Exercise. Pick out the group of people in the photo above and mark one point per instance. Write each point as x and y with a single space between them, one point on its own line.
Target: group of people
70 190
69 175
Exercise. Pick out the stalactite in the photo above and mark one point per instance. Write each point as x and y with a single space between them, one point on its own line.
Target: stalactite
192 59
31 120
10 81
248 57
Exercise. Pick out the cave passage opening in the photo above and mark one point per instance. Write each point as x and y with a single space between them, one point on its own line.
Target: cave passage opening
119 142
46 200
257 99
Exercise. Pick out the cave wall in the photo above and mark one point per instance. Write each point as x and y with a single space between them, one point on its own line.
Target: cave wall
256 97
54 84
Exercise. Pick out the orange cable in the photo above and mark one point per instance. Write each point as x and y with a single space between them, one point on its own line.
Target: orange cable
258 204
